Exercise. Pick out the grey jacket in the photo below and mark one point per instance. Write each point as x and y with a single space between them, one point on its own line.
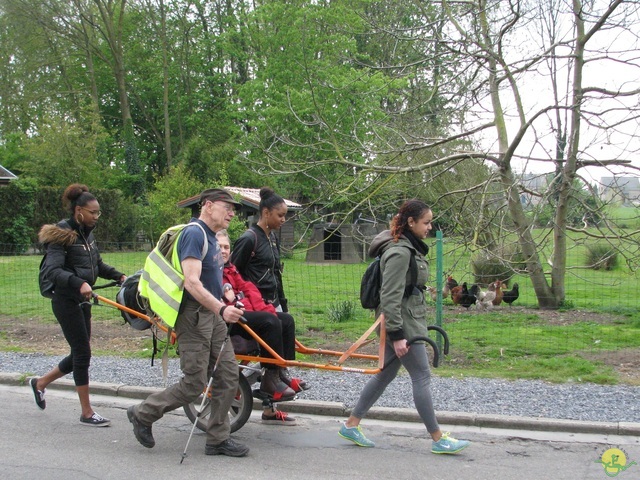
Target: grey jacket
404 317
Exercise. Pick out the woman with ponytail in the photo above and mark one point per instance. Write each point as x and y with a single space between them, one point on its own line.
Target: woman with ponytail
256 255
405 317
73 263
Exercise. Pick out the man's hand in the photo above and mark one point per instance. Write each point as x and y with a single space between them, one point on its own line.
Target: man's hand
231 314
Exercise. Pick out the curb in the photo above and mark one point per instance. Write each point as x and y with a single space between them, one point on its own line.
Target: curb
336 409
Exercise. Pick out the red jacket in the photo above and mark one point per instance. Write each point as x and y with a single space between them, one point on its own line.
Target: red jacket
252 300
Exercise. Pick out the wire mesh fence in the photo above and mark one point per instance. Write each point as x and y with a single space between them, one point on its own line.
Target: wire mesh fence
599 321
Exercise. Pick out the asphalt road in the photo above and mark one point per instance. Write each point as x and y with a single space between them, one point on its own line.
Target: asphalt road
51 444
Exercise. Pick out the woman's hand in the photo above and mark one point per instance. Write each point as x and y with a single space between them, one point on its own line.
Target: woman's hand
400 347
86 291
229 294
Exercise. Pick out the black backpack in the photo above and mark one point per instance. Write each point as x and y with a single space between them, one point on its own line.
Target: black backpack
129 297
372 281
46 285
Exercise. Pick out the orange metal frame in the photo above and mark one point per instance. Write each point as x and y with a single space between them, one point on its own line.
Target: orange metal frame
276 359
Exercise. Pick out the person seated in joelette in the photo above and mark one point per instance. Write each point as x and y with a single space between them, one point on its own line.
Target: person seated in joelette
277 331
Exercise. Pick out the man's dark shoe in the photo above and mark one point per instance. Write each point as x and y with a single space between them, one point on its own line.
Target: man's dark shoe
142 432
229 448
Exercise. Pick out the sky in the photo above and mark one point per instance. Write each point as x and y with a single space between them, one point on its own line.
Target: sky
610 129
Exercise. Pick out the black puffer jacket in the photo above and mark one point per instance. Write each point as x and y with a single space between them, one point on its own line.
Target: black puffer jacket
73 257
257 258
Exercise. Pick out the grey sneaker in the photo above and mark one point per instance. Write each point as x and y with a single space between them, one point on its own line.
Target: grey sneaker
449 445
356 435
279 418
95 420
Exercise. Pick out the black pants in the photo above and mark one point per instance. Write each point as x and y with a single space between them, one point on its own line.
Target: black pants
279 332
75 320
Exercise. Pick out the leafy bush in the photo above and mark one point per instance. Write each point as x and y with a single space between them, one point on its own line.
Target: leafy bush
601 256
169 190
119 222
16 201
342 311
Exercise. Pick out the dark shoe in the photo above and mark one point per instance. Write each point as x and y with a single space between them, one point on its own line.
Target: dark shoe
275 388
95 420
278 418
142 432
38 395
296 384
228 448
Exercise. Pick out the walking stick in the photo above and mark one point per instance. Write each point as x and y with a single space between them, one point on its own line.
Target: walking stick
206 391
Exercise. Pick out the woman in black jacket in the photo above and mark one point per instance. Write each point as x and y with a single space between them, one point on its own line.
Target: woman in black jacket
73 264
256 255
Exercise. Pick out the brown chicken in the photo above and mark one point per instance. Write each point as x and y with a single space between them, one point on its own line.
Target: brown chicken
460 295
446 290
433 292
455 289
499 293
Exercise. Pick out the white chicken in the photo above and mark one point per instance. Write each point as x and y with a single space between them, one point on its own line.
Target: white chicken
486 297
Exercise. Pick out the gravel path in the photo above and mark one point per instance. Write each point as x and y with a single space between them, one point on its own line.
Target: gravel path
586 402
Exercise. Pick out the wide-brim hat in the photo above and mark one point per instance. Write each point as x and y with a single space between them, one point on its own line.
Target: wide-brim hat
218 194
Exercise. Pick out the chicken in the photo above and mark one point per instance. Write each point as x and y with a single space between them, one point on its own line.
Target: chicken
466 297
486 297
512 295
432 291
499 293
457 292
446 290
451 282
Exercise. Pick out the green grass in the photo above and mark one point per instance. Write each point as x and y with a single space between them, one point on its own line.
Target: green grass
517 345
626 217
504 342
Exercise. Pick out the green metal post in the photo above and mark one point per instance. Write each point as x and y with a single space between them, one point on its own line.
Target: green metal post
439 286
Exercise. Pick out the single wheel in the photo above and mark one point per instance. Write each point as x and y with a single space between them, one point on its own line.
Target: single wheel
239 412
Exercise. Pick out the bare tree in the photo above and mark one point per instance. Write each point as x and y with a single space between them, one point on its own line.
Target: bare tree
496 29
487 60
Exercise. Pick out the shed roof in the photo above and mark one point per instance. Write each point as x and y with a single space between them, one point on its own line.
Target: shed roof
6 175
248 196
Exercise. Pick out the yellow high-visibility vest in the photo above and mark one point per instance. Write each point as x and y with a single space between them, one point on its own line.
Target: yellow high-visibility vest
162 280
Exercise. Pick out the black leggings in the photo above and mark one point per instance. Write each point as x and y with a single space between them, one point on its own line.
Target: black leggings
279 332
75 320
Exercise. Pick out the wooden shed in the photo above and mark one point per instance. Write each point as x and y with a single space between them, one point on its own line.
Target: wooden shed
341 243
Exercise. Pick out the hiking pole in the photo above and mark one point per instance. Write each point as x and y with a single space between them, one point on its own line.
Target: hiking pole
206 391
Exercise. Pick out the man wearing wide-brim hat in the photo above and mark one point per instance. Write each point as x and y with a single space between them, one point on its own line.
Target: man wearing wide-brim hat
201 328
